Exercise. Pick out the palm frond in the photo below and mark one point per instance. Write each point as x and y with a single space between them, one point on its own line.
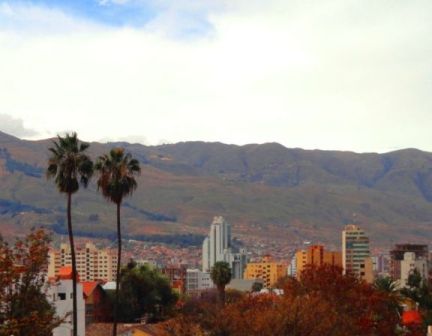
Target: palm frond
117 171
68 164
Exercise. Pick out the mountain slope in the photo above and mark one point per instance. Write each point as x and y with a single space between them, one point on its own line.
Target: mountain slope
267 189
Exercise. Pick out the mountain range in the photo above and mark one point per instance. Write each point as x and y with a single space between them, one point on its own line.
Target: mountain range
264 190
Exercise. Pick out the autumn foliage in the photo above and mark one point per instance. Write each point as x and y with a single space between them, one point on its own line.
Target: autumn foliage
24 309
323 302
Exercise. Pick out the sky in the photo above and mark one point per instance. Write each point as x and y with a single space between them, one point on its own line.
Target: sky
315 74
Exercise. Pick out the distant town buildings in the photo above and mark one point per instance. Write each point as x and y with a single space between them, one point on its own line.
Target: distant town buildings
217 246
267 269
381 265
356 258
405 258
316 255
92 263
176 275
397 255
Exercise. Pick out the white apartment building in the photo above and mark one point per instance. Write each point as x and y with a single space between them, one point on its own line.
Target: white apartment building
92 263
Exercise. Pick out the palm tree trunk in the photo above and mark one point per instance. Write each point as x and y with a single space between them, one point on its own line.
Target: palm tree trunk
74 272
119 250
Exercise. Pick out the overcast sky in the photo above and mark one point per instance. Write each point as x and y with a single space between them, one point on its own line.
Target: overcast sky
327 74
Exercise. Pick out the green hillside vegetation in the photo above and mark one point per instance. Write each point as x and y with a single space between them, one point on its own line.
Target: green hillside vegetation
261 189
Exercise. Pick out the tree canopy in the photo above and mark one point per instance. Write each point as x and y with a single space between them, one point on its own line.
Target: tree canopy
144 291
322 303
24 309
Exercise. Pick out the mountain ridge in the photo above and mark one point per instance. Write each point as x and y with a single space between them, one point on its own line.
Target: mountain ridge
306 194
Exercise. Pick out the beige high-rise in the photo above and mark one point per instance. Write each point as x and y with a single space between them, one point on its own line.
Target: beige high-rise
356 258
92 263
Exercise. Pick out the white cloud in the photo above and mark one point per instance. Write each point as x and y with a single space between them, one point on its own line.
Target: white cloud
317 74
14 126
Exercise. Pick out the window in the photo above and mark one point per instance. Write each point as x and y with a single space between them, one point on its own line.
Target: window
62 296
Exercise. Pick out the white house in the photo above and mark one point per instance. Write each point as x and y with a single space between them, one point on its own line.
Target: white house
60 294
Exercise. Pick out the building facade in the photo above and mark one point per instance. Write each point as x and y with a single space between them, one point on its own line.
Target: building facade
92 263
397 255
292 268
176 275
316 255
197 281
217 246
356 258
267 269
410 263
60 295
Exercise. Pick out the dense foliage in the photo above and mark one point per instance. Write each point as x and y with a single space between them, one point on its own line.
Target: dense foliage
24 309
323 302
144 292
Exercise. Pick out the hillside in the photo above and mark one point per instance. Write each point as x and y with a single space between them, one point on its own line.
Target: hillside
288 194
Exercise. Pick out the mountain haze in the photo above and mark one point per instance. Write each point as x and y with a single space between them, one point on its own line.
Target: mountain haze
263 190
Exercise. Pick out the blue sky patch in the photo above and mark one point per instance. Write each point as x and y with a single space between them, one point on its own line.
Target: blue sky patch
130 13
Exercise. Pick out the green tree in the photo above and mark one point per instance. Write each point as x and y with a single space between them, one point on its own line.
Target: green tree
24 309
386 284
69 166
144 291
257 286
419 290
221 276
117 171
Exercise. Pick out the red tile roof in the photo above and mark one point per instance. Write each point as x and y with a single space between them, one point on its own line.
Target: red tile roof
65 273
89 287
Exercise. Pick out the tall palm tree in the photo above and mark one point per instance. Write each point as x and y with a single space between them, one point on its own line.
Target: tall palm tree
117 171
69 166
221 276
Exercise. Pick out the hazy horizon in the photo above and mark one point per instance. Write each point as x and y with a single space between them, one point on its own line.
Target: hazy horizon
105 141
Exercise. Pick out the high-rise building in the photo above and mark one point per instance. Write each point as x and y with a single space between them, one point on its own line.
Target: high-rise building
397 254
217 246
356 258
267 269
92 263
381 265
316 255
